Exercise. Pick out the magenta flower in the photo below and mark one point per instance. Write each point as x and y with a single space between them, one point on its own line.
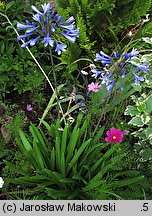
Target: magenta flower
4 133
114 135
29 107
94 87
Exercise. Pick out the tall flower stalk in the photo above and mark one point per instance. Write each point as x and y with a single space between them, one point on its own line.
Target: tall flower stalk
48 28
29 51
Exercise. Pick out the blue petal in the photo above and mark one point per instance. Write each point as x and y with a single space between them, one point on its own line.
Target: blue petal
71 19
37 17
134 52
123 73
105 79
33 41
137 78
71 39
46 8
116 54
21 26
142 67
111 85
69 27
20 37
121 87
30 30
105 55
35 9
26 44
96 73
106 62
48 41
59 19
53 27
60 47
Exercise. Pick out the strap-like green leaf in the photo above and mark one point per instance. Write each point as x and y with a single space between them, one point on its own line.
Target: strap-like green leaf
25 142
77 155
126 182
62 165
64 139
52 160
38 156
38 138
58 152
72 143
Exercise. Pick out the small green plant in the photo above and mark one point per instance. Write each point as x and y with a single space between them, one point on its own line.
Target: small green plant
141 117
66 163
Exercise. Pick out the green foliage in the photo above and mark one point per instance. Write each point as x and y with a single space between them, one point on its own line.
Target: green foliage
104 20
17 71
140 113
102 25
141 117
68 163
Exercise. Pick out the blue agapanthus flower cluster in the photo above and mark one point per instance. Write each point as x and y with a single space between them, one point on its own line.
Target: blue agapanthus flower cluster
119 67
47 26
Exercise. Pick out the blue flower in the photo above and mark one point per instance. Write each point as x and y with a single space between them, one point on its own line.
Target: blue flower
22 26
104 58
96 73
121 86
32 42
52 27
48 41
116 54
68 27
118 68
71 19
111 85
123 73
30 30
60 47
106 79
37 18
20 37
46 8
137 78
45 23
133 53
142 67
36 10
70 35
87 94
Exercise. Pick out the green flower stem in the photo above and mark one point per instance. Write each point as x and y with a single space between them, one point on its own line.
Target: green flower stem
55 81
54 91
102 114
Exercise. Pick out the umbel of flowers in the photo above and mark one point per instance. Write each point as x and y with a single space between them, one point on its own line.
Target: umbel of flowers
116 67
47 26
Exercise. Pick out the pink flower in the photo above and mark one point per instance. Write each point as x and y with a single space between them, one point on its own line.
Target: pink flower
94 87
114 135
4 133
29 107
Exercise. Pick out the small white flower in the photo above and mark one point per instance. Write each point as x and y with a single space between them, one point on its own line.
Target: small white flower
84 72
130 34
1 182
92 66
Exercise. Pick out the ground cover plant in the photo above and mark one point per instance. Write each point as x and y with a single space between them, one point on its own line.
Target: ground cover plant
75 104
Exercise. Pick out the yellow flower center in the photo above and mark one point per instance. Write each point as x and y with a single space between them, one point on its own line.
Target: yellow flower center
114 137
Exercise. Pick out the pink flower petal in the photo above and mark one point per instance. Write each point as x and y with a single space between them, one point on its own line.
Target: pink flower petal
114 135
